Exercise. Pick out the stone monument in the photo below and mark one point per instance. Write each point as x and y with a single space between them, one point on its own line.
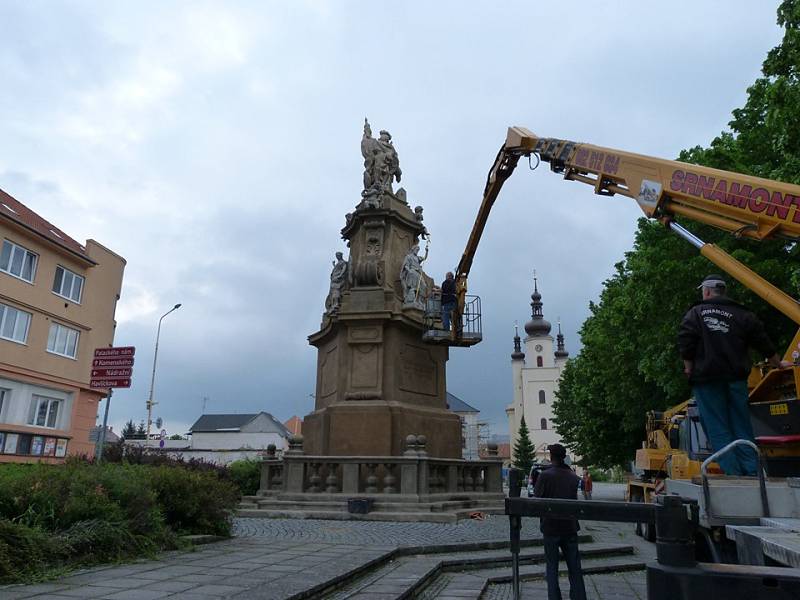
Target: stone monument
377 381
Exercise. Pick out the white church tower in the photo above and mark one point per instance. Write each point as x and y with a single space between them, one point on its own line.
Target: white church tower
536 372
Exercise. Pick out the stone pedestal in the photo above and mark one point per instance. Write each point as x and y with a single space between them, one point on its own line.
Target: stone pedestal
377 381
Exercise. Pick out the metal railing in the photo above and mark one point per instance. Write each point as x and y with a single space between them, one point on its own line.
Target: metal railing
471 325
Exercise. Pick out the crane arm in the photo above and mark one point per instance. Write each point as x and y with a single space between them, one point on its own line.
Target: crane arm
747 206
750 207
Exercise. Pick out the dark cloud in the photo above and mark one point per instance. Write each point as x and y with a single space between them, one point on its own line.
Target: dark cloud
216 147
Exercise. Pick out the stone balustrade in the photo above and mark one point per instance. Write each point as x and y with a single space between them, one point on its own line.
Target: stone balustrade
412 474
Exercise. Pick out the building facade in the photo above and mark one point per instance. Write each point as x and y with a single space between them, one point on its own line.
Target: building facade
536 371
57 304
470 426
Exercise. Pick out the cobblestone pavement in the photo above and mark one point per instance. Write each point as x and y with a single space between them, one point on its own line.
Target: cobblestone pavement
276 558
380 533
617 586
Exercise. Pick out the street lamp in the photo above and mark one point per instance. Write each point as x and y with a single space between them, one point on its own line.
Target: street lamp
153 378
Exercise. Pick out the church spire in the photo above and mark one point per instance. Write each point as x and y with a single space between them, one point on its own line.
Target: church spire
560 352
518 354
538 326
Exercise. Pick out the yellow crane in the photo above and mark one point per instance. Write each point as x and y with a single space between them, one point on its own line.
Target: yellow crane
746 206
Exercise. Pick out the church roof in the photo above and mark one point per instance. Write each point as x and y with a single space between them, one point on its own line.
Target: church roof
538 326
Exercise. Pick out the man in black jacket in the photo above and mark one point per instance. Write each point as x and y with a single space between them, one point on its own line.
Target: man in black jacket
560 482
714 338
448 299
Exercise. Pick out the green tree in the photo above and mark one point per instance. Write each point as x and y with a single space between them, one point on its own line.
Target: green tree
129 430
523 449
141 430
628 363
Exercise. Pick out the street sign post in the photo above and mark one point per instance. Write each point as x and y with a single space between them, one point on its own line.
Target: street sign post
111 368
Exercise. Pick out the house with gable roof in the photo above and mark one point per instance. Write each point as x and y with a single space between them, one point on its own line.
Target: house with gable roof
229 432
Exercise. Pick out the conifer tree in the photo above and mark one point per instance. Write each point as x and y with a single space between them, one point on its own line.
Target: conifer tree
129 430
523 449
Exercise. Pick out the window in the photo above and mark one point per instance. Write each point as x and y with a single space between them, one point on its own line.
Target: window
539 361
44 411
14 324
3 395
17 261
68 284
541 397
544 423
62 340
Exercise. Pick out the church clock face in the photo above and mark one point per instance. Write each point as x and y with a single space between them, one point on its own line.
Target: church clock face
538 347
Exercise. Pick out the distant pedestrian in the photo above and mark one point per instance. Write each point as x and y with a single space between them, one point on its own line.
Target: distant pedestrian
448 299
560 532
713 340
587 485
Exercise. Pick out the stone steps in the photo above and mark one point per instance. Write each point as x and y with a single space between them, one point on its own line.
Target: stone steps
379 506
342 515
383 509
465 571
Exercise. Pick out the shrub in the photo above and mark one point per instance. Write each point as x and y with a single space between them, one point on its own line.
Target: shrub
194 501
23 551
247 475
81 513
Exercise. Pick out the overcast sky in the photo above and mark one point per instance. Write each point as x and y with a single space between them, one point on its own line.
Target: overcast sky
215 146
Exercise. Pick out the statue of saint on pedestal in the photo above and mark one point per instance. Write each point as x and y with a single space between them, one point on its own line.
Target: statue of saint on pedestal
381 164
415 286
340 275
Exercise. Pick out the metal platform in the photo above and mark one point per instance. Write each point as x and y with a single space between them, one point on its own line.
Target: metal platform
465 333
447 338
737 500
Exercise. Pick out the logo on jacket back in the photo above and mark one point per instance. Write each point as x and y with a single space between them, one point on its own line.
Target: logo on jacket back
716 319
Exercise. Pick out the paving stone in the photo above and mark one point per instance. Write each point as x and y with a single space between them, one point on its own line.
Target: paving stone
85 591
123 582
199 578
138 594
170 586
30 590
218 590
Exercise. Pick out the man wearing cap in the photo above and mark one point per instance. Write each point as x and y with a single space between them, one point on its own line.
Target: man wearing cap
560 482
713 340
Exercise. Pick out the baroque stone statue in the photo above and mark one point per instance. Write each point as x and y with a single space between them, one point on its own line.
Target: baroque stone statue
340 276
381 164
415 286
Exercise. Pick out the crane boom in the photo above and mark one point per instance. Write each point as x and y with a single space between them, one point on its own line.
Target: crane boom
750 207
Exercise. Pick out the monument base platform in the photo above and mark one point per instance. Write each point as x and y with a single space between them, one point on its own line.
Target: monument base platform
411 487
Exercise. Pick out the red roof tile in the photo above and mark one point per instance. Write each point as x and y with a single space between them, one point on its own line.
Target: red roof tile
295 425
14 210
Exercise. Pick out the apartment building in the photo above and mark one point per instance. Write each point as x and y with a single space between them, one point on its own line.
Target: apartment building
57 304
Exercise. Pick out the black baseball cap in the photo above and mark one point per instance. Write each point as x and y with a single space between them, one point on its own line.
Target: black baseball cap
713 281
557 451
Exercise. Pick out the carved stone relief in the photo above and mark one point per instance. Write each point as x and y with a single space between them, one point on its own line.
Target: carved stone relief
370 268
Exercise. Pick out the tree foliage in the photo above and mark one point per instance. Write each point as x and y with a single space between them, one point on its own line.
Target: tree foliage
629 363
523 449
129 431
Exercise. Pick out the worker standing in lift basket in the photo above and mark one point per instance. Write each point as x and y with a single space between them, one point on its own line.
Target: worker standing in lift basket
448 299
713 339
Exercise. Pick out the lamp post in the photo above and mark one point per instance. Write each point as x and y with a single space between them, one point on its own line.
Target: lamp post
153 377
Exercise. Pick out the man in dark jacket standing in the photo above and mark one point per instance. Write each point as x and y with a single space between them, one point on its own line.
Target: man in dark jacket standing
448 299
714 338
560 482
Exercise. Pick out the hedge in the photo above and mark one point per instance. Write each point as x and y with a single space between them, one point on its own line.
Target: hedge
56 516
